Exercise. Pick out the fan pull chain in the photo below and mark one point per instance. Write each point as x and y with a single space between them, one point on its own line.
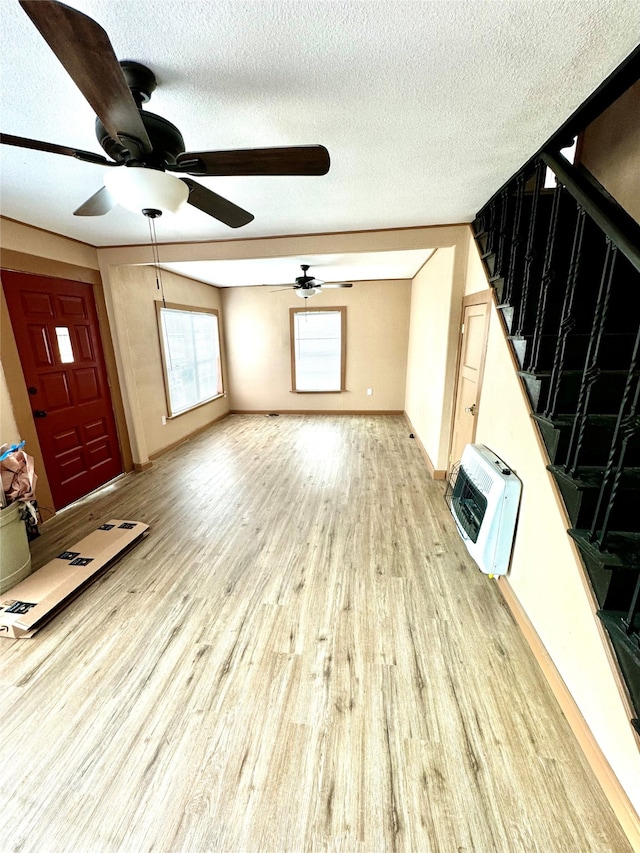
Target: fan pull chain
156 256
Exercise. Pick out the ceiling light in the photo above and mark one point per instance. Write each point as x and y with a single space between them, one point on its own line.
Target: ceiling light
140 189
306 292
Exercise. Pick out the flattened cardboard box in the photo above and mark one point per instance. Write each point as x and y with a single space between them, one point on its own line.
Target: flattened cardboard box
29 604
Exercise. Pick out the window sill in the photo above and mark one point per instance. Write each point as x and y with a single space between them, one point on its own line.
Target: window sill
197 406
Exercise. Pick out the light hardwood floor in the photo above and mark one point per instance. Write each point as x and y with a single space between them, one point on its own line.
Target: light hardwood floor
300 657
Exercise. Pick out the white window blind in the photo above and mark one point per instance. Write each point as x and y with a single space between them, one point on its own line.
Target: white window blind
191 356
318 349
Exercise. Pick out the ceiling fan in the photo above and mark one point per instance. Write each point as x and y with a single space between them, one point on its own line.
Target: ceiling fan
307 285
146 145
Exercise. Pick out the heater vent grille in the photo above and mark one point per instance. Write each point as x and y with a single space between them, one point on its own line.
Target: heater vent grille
467 502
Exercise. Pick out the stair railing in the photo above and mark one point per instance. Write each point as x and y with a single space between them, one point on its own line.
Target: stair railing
571 322
533 254
592 370
530 261
626 429
567 320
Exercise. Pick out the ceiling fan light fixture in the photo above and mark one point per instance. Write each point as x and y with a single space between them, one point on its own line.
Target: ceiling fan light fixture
137 189
306 292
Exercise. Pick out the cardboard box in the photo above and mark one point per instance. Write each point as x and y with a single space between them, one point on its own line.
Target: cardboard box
27 606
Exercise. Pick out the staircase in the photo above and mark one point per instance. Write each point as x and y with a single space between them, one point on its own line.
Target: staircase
565 265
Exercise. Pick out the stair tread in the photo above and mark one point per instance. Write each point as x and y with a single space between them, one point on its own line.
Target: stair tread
590 477
545 374
561 421
529 336
612 619
623 548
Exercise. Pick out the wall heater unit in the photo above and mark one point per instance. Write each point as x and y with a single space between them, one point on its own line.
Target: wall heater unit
483 495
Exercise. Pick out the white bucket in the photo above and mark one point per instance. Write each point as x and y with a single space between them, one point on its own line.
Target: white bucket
15 557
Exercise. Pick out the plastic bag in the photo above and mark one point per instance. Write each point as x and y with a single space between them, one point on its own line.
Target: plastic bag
18 474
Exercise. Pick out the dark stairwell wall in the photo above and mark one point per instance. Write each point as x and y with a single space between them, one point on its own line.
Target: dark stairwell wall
610 150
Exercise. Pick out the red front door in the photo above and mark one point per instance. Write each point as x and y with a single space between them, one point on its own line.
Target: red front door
56 328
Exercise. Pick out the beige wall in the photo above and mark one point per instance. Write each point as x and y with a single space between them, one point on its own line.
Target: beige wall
384 374
475 277
16 237
9 432
610 149
259 352
131 293
545 573
436 305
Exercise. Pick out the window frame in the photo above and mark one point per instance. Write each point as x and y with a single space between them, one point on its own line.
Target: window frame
190 309
333 309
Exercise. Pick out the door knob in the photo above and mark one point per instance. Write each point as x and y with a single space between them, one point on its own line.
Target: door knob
471 409
39 413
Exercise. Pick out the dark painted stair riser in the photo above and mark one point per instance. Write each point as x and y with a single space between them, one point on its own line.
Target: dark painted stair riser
615 351
626 649
613 588
613 575
580 494
605 391
622 551
599 432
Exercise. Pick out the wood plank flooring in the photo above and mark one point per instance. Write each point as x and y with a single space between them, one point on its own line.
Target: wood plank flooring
300 657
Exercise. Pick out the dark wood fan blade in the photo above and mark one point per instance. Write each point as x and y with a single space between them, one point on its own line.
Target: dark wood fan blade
97 205
217 206
341 284
84 49
37 145
300 160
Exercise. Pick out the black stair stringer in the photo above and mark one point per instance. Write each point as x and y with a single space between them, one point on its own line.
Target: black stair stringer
563 288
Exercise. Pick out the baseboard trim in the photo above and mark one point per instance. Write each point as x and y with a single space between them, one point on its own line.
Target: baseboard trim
315 412
158 453
614 792
436 473
139 467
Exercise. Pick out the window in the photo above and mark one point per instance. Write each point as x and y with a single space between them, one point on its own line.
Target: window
570 154
318 346
190 344
64 345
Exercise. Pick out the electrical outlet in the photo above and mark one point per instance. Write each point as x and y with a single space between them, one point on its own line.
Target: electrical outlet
369 392
164 420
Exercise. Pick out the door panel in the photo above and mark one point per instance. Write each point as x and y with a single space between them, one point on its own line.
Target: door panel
57 334
473 344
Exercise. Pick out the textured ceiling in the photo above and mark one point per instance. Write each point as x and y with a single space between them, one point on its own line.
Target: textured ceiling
426 107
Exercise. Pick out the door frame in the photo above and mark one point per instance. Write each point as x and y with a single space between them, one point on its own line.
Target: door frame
14 261
479 298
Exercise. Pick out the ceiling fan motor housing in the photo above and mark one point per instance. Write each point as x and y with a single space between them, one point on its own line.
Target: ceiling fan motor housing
166 139
140 79
304 281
